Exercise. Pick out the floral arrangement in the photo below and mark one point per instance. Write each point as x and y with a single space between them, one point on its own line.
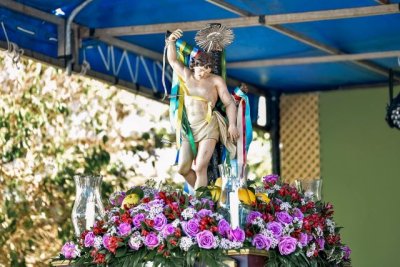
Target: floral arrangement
166 228
176 229
295 231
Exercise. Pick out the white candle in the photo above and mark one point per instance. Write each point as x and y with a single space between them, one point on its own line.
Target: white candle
234 208
90 210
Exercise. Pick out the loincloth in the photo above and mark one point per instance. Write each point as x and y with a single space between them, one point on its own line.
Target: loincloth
216 129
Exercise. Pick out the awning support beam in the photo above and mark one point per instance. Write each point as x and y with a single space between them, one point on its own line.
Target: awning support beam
313 60
248 21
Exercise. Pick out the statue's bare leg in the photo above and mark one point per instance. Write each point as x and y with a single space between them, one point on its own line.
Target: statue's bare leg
185 163
204 153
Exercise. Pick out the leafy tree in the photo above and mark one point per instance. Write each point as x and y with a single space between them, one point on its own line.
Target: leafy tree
53 126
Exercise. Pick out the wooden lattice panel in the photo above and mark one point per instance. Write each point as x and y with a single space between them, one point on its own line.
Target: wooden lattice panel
299 137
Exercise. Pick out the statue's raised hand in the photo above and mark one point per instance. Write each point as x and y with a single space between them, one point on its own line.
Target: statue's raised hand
175 35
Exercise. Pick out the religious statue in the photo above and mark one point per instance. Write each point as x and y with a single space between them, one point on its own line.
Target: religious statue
204 125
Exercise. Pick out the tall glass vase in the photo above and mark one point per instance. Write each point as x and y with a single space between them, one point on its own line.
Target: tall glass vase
233 177
88 205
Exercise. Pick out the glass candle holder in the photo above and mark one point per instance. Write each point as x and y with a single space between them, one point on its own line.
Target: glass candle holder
88 205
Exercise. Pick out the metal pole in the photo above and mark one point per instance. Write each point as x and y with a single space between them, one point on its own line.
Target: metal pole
68 33
275 138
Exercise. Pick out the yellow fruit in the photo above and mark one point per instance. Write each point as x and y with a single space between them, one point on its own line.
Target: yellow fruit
131 199
218 182
263 197
216 189
215 193
246 196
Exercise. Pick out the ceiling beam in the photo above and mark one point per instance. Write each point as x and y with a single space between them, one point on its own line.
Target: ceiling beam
32 12
383 2
248 20
312 60
306 40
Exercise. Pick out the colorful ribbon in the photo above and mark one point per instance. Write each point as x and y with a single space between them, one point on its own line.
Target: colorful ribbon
177 111
244 126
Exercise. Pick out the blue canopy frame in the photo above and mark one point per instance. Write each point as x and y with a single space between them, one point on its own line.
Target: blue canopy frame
280 46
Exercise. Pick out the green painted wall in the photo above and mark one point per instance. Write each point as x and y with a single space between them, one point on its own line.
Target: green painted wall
360 167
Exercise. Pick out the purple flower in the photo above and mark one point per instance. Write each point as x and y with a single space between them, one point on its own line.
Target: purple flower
223 227
191 227
124 229
275 228
137 219
303 239
70 251
298 214
321 243
117 198
151 241
284 217
168 230
106 240
203 213
287 245
272 178
347 252
261 242
237 235
89 239
252 216
159 222
205 239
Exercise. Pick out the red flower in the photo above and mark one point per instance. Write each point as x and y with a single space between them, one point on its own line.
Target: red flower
113 243
126 218
146 200
160 248
98 258
178 232
249 233
144 232
173 242
98 229
149 222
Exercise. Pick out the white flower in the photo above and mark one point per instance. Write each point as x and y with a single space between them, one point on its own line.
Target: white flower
276 187
188 213
135 241
285 206
331 226
287 229
217 216
186 243
98 242
194 201
227 244
77 252
155 210
113 230
310 250
216 241
175 223
259 222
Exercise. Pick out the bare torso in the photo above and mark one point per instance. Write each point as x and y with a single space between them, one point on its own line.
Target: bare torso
205 88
